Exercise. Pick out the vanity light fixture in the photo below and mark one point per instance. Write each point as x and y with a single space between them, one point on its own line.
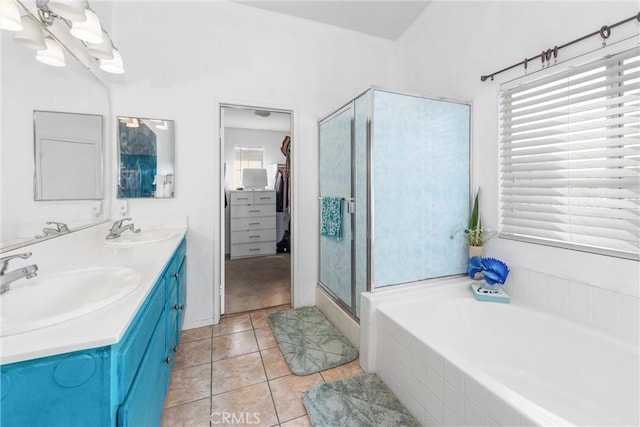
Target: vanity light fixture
83 23
52 55
113 65
72 10
10 16
31 35
90 30
102 50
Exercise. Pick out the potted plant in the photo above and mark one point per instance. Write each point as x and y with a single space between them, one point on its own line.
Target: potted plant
475 233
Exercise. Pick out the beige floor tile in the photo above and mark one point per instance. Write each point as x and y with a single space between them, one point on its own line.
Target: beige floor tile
260 317
298 422
188 385
195 334
193 353
233 324
287 394
347 370
236 372
232 345
193 414
274 363
265 338
251 405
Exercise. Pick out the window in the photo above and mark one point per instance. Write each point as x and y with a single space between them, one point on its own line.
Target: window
570 155
246 157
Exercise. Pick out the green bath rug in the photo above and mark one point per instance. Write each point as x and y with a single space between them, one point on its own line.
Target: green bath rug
357 401
309 342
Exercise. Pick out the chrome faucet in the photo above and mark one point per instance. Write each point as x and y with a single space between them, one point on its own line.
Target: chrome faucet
117 228
61 228
6 279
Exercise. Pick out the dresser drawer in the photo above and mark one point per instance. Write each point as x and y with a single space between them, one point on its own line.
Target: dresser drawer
244 224
253 211
264 197
252 249
254 236
241 198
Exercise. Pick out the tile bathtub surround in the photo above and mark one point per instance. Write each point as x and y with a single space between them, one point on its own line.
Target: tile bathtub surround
236 367
610 312
434 390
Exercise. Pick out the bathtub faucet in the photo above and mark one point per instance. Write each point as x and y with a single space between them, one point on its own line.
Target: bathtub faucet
6 279
117 228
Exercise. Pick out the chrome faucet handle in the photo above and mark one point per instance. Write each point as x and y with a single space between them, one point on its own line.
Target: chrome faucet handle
4 261
118 223
61 226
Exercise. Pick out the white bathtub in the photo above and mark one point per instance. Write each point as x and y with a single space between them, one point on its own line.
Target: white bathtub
453 360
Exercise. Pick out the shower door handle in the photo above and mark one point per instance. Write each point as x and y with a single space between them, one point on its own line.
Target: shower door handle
351 207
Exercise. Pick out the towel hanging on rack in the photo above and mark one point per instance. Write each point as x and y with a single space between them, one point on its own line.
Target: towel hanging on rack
331 218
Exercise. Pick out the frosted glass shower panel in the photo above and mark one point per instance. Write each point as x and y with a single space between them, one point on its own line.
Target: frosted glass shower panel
420 187
335 181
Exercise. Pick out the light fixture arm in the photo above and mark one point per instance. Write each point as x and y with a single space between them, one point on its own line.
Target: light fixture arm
45 14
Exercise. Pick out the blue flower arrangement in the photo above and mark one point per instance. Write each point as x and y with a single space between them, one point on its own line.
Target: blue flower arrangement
493 270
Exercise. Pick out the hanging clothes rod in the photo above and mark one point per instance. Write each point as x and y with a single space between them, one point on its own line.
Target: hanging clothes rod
546 55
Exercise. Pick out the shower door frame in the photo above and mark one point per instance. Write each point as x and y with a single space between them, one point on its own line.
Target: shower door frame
370 243
351 309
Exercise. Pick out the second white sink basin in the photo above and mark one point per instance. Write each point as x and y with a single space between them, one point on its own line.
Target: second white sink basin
51 299
145 236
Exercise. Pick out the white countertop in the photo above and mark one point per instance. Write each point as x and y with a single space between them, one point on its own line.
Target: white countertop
105 326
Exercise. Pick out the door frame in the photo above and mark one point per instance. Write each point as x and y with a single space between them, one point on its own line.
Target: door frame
219 307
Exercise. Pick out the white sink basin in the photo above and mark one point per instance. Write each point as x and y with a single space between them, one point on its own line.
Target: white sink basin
145 236
51 299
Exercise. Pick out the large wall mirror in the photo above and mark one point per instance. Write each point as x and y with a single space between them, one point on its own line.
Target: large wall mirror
68 156
28 86
146 150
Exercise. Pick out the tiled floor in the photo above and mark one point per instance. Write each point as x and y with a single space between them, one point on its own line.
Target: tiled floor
234 374
259 282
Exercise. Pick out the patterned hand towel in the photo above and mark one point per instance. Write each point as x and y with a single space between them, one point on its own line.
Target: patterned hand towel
331 218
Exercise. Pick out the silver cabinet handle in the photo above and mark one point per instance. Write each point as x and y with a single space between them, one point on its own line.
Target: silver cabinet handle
254 223
254 211
167 360
254 250
176 307
254 237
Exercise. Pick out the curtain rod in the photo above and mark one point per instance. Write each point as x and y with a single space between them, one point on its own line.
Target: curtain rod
604 32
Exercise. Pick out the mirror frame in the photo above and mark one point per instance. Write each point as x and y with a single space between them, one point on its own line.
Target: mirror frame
118 172
100 164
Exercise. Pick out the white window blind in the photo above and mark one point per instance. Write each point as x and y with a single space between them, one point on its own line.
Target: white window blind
569 158
246 157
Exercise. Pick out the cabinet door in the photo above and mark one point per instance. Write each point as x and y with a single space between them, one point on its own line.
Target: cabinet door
182 293
145 400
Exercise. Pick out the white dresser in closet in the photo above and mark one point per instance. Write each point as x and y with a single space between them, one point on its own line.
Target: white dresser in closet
253 223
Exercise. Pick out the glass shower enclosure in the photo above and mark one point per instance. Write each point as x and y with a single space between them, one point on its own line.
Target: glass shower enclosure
399 164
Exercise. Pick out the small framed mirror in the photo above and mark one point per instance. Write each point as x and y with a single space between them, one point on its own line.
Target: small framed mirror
68 156
146 158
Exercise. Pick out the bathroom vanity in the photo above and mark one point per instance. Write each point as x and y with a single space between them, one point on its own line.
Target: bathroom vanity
107 368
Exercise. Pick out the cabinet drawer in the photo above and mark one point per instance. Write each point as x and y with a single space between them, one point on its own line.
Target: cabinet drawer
253 249
253 211
245 224
132 350
241 198
264 197
253 236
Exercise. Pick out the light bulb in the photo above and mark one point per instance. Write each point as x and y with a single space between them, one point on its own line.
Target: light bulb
90 30
52 55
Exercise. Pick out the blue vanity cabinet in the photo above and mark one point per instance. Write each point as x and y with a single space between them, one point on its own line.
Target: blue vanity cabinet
123 384
175 277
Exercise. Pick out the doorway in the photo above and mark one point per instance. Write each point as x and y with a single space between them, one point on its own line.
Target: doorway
256 149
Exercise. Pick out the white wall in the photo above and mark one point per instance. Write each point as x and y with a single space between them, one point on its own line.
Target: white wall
453 43
269 139
188 58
